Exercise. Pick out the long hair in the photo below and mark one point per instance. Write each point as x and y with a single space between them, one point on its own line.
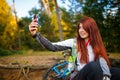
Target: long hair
96 42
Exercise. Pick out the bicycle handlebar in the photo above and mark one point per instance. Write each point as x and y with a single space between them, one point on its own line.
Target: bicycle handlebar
67 52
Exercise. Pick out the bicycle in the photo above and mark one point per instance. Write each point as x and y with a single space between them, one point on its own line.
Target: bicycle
59 70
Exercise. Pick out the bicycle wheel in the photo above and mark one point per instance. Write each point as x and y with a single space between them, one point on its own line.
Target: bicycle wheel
59 74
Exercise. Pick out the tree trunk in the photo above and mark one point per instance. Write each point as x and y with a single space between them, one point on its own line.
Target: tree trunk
19 35
46 6
58 21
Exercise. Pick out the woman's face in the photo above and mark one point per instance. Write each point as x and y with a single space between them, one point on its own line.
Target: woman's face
83 34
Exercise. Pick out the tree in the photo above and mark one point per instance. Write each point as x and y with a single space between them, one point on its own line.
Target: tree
58 20
47 6
7 26
111 22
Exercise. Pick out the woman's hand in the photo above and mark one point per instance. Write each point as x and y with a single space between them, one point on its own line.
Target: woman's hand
33 27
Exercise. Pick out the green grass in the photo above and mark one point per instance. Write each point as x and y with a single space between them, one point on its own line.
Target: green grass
37 53
47 53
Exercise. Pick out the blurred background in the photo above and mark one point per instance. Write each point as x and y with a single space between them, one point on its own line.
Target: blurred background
57 21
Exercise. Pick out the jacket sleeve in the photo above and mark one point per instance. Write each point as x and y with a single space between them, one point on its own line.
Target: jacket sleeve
58 46
104 66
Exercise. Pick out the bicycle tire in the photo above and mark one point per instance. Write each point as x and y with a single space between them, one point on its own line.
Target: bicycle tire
50 74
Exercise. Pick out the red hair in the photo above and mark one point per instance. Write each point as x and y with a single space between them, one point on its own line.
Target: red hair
96 42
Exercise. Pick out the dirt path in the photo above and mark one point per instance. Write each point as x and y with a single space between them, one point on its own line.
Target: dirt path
12 74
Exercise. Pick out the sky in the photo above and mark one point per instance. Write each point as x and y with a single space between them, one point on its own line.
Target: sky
23 6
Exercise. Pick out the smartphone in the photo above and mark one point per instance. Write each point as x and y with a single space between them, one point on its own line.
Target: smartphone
35 17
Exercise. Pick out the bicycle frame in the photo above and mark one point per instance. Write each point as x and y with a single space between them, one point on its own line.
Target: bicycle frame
61 73
59 70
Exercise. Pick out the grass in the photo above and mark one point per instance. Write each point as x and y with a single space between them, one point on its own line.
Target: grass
37 53
114 55
50 53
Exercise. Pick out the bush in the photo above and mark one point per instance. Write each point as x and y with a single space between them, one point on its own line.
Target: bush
4 52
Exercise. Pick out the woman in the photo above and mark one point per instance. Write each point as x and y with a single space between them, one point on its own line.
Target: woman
90 57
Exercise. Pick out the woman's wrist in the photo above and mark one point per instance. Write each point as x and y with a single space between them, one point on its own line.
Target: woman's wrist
105 77
34 35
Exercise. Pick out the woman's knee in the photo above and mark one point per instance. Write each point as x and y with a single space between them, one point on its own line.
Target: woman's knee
93 65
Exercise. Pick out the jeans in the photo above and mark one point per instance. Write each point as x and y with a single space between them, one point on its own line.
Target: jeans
92 71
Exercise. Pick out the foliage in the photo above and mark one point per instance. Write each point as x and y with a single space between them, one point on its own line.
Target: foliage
112 36
47 28
4 52
8 26
68 23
